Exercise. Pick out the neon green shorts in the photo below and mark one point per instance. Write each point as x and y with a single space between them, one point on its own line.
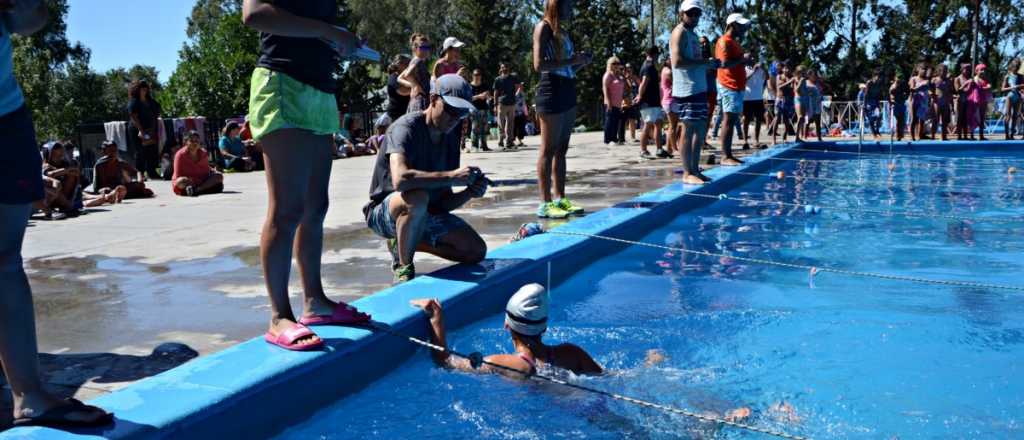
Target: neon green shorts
278 101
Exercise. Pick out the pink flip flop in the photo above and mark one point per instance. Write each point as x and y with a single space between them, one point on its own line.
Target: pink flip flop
344 314
288 338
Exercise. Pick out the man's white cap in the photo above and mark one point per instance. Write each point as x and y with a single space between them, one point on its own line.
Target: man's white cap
527 311
451 42
686 5
737 18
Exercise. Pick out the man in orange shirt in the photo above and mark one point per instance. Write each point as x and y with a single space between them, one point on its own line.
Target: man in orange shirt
732 80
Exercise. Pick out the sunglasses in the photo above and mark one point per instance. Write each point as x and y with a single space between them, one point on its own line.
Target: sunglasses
454 112
694 13
425 47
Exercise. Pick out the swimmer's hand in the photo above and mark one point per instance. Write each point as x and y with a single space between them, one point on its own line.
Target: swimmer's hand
654 357
430 306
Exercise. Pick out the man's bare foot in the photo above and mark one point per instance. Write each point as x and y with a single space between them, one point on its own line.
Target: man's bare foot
737 414
730 161
692 179
282 325
654 357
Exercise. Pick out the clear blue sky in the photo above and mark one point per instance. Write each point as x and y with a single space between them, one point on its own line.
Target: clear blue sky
122 33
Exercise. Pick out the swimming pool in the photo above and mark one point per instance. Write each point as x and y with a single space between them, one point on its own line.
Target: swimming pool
824 356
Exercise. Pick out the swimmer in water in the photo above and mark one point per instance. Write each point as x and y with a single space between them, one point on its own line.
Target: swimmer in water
526 319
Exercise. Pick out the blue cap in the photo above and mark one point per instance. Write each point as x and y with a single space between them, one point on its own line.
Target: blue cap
455 91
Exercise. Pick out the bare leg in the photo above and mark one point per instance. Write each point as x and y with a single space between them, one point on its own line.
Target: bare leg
409 209
673 135
688 148
728 126
289 166
550 133
18 347
461 245
309 236
558 172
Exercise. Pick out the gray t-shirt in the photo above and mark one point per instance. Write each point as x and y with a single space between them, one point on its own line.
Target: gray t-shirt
506 85
410 136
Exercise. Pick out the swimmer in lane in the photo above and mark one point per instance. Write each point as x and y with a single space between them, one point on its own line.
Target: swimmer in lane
526 319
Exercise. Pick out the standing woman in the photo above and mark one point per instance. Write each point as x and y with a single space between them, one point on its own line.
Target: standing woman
398 90
555 60
613 87
1013 84
803 102
144 113
942 88
899 91
293 115
814 89
417 74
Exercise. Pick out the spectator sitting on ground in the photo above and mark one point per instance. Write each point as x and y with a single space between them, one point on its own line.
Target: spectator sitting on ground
192 173
57 166
411 195
232 149
380 127
111 172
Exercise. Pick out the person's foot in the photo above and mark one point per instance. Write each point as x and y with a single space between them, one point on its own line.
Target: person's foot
982 138
731 161
404 273
662 154
711 160
551 210
568 206
280 326
191 191
646 155
762 146
746 146
72 213
620 143
520 144
692 179
41 409
485 148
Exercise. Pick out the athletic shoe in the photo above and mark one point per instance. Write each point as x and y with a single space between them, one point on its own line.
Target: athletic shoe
569 207
190 191
484 148
646 155
551 210
393 250
662 154
527 230
404 273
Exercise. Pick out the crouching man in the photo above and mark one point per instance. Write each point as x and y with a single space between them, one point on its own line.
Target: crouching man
411 196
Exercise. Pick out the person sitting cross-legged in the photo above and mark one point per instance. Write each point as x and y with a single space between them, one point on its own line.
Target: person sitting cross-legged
111 173
411 197
192 173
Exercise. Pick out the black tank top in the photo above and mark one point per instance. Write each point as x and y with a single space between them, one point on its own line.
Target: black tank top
308 60
397 104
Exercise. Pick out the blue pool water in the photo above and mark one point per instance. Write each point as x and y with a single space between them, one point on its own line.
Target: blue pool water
848 357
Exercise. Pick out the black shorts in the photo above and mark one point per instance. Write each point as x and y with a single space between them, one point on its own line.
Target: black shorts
753 110
555 94
21 165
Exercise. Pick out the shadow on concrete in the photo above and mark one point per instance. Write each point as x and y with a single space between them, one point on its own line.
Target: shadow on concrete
89 375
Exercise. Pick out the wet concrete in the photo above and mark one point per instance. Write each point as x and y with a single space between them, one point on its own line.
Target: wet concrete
120 305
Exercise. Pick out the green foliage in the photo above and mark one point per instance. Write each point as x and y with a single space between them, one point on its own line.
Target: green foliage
214 65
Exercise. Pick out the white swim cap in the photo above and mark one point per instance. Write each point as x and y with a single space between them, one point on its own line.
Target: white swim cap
527 310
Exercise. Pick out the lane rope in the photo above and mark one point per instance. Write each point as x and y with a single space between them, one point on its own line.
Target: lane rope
811 269
881 184
925 165
936 158
898 212
476 360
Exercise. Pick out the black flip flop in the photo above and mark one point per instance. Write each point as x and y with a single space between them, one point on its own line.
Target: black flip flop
58 417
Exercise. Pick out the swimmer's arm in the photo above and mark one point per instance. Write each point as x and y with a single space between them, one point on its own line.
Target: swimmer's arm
585 364
432 308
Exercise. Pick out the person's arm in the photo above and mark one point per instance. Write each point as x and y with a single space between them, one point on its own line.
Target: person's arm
450 200
679 59
223 146
408 78
264 16
605 86
643 89
24 17
585 364
404 178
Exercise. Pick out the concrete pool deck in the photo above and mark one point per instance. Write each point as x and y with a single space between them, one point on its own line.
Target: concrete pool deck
105 302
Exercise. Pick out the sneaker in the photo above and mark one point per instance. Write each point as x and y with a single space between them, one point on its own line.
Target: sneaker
190 191
393 250
404 273
662 154
551 210
646 155
569 207
484 148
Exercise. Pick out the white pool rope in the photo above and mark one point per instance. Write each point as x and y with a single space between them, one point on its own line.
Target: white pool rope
910 155
896 212
880 184
811 269
913 165
476 360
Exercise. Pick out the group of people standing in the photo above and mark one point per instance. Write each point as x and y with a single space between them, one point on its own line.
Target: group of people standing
940 104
